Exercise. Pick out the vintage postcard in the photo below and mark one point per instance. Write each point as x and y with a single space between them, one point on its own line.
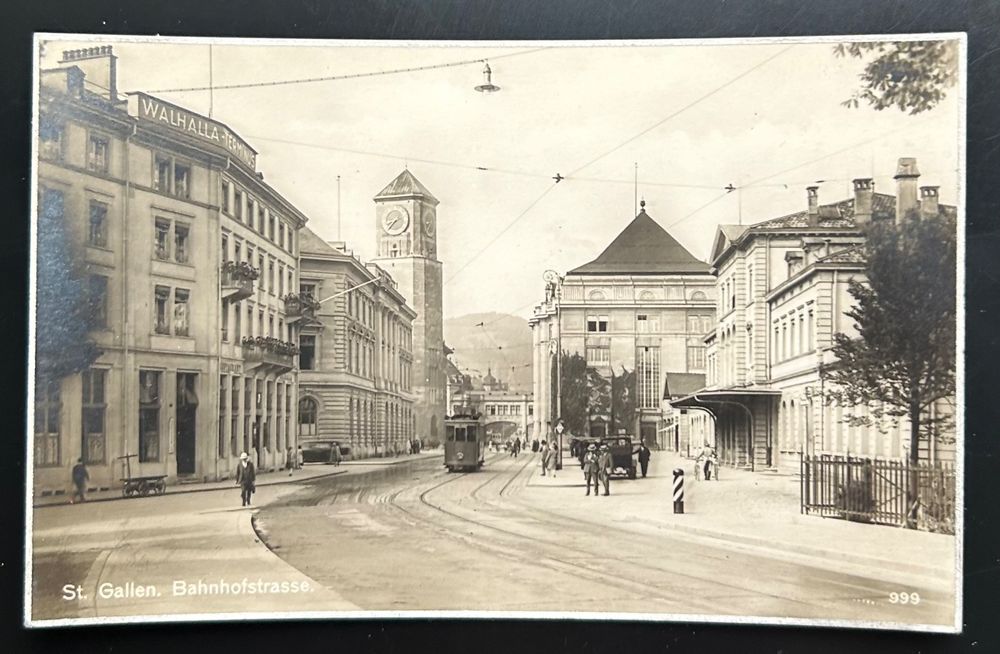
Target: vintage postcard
656 330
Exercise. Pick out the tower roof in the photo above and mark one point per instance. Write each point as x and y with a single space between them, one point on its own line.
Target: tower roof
644 247
405 184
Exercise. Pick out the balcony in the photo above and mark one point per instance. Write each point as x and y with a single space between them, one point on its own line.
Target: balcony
269 355
301 307
237 280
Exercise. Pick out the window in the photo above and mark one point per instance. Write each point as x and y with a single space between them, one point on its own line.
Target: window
260 322
225 248
698 296
810 341
238 204
642 323
98 150
94 439
98 297
307 352
97 235
181 296
270 325
597 323
48 407
182 180
162 244
149 416
161 175
225 196
648 374
281 279
598 355
260 267
237 251
307 417
181 242
270 226
260 218
270 276
223 414
281 234
225 320
162 299
696 357
237 319
249 324
50 140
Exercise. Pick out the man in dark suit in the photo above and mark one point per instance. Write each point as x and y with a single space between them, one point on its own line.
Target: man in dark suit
643 457
246 477
590 468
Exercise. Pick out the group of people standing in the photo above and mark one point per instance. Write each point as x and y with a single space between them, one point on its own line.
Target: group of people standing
549 456
597 468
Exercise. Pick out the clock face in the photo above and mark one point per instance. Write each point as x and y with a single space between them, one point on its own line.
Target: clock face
429 223
396 221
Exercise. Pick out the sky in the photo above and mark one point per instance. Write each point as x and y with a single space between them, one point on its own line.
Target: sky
695 117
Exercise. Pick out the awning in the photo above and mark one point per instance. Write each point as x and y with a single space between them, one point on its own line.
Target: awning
707 399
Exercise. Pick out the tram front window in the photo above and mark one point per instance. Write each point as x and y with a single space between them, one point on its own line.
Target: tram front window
472 433
460 434
450 434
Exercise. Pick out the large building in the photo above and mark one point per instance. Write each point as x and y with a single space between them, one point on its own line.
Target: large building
406 224
623 322
506 413
356 359
782 294
187 254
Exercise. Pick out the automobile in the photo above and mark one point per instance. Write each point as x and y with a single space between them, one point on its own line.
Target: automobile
578 446
623 451
323 451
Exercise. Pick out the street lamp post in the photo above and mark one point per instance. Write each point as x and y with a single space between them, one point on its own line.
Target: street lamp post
559 433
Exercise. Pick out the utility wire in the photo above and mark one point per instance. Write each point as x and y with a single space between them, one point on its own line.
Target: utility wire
683 109
331 78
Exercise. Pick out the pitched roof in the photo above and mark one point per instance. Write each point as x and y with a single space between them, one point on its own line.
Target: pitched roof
311 243
405 184
643 247
680 384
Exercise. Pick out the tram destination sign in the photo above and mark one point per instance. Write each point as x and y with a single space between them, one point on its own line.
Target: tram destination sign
164 114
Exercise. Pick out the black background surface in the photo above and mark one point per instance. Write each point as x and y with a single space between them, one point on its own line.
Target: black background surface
550 19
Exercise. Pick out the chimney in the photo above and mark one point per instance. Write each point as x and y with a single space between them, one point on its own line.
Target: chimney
906 187
928 201
99 65
864 190
812 194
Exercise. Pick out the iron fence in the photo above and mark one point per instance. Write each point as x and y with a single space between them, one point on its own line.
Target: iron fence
878 491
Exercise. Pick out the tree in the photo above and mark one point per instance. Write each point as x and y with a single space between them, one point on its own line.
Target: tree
911 75
63 310
903 358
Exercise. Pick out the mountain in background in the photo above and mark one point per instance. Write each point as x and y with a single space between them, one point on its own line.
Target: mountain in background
501 344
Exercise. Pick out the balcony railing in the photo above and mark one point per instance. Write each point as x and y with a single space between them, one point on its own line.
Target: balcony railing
237 280
300 306
269 354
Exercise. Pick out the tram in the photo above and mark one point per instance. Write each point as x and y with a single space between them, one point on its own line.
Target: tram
465 442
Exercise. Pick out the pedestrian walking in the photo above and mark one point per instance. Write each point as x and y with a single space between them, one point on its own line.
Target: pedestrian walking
604 469
517 447
643 457
299 460
289 460
246 477
545 457
590 468
80 479
335 456
553 456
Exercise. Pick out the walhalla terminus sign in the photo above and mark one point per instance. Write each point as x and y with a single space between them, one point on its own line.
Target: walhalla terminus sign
205 129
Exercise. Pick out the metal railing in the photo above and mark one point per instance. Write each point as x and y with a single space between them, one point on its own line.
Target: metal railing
878 491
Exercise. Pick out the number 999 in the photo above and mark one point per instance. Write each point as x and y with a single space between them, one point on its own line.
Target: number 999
904 598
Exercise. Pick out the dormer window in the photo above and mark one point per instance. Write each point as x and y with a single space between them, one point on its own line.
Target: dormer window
795 262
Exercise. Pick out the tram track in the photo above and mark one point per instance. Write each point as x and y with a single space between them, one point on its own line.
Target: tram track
624 576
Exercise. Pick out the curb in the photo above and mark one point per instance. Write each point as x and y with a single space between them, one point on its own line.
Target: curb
181 490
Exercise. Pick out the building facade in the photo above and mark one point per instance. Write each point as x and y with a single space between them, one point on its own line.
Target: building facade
406 227
356 352
186 252
782 296
506 413
622 322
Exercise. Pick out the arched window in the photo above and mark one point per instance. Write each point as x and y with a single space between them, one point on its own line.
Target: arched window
595 295
697 295
308 411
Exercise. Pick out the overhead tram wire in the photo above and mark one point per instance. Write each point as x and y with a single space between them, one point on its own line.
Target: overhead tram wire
683 109
333 78
757 182
558 177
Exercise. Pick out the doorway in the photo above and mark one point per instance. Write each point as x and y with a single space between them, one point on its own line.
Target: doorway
187 411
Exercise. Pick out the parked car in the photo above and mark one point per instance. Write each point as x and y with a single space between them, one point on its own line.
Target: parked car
623 451
323 451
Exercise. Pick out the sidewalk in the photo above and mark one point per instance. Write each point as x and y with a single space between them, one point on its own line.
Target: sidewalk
759 511
308 472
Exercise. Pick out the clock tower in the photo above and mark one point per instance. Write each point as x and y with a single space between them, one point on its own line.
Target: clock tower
406 228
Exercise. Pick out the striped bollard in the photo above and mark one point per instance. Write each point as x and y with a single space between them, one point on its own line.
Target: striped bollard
678 490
